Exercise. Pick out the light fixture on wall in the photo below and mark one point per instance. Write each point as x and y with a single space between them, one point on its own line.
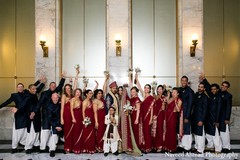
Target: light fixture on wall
43 45
194 44
118 44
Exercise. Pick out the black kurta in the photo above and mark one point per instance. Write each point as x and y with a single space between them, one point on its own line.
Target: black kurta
20 116
199 112
214 107
226 110
187 94
45 98
54 115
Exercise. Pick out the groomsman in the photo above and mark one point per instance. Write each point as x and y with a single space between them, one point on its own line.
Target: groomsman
186 94
19 131
33 119
45 98
198 118
111 98
54 120
225 115
212 120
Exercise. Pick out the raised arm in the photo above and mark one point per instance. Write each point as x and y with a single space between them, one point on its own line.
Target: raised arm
42 80
105 86
76 79
96 87
139 85
61 83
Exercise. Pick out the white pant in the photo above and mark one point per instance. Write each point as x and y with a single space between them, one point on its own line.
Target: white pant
225 137
18 136
45 134
111 144
32 138
214 141
200 142
52 143
186 142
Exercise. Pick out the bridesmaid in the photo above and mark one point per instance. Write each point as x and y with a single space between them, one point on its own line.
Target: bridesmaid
76 112
174 105
88 135
158 120
146 115
66 118
135 102
99 115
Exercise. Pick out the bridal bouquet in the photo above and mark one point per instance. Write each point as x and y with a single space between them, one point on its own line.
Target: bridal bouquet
169 88
77 66
154 84
127 108
86 121
138 70
85 80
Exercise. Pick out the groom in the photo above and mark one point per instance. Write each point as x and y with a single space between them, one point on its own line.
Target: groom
111 98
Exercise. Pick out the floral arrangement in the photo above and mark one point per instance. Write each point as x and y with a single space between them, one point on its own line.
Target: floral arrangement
130 71
106 73
85 80
154 84
86 121
138 70
77 66
127 108
169 88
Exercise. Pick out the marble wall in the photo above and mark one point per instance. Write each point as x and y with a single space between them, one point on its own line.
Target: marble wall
118 22
48 22
190 21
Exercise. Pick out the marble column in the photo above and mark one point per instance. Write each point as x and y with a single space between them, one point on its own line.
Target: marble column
45 24
119 22
190 21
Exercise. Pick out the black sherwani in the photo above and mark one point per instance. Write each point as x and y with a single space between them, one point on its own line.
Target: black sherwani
226 110
214 107
29 106
18 98
187 94
199 112
54 115
45 98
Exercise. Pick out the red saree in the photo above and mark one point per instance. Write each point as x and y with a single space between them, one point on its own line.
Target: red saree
101 129
171 125
135 127
146 107
67 127
77 129
88 135
157 128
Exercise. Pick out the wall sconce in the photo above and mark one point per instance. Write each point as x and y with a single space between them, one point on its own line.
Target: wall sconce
43 45
194 44
118 44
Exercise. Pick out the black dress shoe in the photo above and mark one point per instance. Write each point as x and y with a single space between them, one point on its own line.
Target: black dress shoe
20 145
179 149
28 151
196 152
105 154
14 151
43 151
115 153
36 149
52 154
225 150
